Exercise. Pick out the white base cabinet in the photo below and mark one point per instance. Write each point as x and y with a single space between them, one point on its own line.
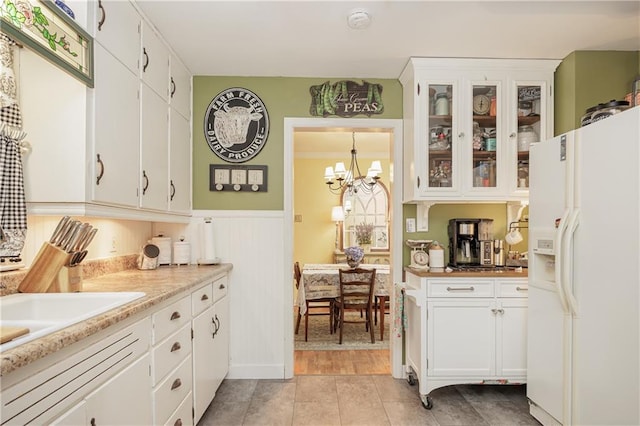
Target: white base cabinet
163 369
465 330
210 348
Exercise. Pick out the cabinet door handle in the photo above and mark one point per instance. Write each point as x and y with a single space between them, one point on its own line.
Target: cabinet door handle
173 190
512 135
217 323
103 14
178 422
101 170
176 347
176 384
215 327
522 288
173 87
204 297
494 311
146 182
146 59
418 181
500 311
470 288
461 135
175 315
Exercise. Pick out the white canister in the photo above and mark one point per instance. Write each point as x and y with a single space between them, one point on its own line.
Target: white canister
164 244
436 255
181 253
442 104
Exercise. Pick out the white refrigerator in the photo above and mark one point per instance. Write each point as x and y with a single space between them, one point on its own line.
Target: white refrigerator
584 276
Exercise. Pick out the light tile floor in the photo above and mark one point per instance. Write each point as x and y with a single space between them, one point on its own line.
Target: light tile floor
363 400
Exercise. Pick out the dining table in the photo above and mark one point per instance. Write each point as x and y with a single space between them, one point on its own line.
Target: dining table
322 280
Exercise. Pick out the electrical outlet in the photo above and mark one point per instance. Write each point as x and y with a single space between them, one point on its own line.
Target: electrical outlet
114 245
297 218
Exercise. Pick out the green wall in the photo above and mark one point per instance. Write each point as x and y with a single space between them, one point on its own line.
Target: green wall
283 97
440 214
587 78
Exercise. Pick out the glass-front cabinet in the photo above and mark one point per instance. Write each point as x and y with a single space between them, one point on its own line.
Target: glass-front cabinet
468 126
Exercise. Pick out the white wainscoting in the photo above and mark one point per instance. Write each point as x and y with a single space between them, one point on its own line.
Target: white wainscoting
258 287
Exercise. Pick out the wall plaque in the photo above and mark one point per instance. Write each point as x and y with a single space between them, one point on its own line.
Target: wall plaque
236 125
346 98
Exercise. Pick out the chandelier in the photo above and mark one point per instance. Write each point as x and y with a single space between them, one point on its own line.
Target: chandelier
351 180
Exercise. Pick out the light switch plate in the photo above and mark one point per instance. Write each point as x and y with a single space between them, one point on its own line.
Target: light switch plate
410 225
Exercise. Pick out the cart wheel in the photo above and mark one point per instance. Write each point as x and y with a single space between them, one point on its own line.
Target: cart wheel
411 378
427 402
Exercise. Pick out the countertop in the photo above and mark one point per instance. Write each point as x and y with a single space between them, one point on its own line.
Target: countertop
494 273
159 285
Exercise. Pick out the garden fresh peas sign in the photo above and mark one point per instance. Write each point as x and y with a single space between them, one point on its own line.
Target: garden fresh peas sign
346 99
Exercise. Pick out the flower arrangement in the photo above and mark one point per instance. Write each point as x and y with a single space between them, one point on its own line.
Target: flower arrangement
354 255
364 233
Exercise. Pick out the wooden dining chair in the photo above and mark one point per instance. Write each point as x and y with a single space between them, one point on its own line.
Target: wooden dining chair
314 307
356 293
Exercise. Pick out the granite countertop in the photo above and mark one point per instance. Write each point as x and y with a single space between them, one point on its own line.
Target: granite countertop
493 273
159 285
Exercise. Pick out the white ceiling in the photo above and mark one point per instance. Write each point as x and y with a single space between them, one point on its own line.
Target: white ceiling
311 38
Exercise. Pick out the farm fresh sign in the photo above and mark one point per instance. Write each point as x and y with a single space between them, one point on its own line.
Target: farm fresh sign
346 99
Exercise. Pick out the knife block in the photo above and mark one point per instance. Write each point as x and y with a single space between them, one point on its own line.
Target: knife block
44 270
69 280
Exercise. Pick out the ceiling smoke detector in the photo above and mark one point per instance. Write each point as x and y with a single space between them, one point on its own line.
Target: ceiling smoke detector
358 20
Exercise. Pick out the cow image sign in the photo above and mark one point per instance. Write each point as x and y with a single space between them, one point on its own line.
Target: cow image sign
236 125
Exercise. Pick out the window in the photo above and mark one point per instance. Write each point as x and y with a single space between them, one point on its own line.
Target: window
371 207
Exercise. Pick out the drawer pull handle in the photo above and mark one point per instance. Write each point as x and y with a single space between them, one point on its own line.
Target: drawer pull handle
175 315
176 347
522 288
222 287
204 297
178 422
470 288
176 384
497 311
93 421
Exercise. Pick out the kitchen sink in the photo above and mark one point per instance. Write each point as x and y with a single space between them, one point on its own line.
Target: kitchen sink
45 313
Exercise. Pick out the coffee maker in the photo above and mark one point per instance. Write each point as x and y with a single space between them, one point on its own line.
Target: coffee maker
470 242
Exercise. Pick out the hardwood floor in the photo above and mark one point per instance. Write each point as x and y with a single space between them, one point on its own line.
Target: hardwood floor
343 362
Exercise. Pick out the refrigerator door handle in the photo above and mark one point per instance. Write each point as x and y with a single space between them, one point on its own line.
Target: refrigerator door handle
567 267
562 226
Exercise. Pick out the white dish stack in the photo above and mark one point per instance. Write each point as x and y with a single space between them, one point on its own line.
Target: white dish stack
164 244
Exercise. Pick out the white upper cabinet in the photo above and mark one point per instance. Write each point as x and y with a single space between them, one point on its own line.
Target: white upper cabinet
117 28
179 163
180 88
462 122
116 132
154 62
154 166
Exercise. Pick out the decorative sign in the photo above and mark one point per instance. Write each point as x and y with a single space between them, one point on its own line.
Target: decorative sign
42 26
236 125
528 93
346 99
237 178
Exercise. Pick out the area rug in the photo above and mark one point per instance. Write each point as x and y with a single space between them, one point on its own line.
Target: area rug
354 336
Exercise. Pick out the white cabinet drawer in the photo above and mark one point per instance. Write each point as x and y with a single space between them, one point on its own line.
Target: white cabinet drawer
168 354
220 288
182 416
201 299
466 288
512 289
171 391
171 318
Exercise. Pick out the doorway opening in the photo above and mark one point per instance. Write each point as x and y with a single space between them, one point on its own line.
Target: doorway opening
311 145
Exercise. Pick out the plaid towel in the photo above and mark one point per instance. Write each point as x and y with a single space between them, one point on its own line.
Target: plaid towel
13 206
